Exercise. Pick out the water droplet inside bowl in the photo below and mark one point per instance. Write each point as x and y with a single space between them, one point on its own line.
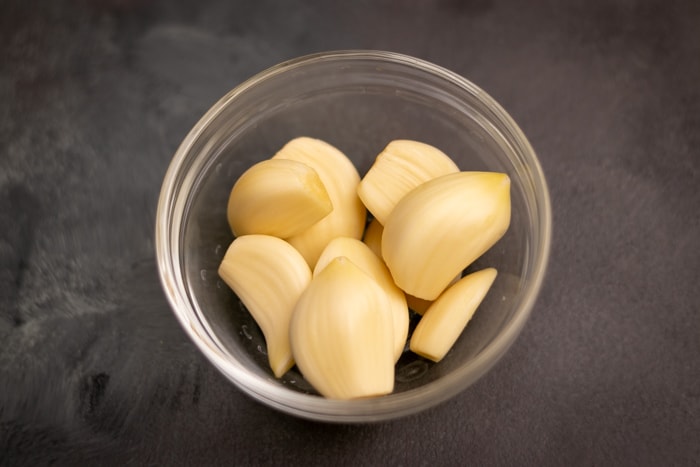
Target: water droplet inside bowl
203 274
412 371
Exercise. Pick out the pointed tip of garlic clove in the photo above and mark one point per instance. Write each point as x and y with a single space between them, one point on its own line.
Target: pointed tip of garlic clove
362 256
280 364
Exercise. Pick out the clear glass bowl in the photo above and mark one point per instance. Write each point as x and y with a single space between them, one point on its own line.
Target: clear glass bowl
358 101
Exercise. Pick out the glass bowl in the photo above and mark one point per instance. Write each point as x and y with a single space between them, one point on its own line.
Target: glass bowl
358 101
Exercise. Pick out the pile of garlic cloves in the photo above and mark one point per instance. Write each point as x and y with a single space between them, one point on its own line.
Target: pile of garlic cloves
331 292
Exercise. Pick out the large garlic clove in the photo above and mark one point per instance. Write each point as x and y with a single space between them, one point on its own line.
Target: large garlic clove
442 226
342 334
268 275
373 237
340 178
445 320
400 167
361 256
279 197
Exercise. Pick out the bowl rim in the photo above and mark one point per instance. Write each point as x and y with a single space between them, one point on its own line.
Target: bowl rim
314 407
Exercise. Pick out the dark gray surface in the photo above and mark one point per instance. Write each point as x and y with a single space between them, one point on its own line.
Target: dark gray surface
95 96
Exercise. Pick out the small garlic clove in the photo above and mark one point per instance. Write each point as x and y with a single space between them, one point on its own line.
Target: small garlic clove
269 276
442 226
342 334
400 167
446 318
361 256
277 197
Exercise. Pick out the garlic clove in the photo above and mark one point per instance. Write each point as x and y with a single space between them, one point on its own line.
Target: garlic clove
269 276
442 226
342 334
446 318
277 197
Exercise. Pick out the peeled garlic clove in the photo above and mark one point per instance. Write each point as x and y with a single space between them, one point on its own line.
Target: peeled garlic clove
444 321
420 305
373 237
400 167
340 178
362 257
442 226
279 197
342 334
268 275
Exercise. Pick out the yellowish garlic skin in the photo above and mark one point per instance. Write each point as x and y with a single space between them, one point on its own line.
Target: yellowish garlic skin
268 275
442 226
342 334
445 319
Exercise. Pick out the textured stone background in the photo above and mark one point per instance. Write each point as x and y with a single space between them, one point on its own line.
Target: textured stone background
95 96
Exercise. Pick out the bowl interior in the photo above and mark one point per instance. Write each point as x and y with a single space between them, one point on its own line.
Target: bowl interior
358 104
